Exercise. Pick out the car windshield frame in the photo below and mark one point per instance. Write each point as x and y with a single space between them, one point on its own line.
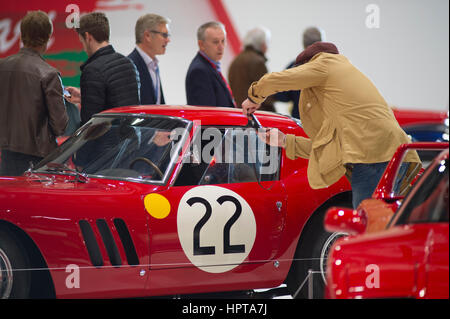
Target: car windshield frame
403 216
61 155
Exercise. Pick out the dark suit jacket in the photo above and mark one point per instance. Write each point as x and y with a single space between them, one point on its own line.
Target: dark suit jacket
147 91
204 85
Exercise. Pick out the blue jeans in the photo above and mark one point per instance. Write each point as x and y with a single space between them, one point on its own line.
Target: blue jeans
365 178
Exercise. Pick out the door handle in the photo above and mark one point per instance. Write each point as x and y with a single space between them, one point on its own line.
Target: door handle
279 206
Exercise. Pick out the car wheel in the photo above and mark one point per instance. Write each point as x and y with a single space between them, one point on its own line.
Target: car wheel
15 278
308 270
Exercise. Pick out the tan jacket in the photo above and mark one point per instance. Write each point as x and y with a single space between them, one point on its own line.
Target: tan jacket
32 109
346 118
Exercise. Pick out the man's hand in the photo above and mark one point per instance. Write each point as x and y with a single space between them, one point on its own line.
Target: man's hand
162 138
272 136
248 107
75 95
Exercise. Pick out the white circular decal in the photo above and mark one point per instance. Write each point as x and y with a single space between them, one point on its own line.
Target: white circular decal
216 228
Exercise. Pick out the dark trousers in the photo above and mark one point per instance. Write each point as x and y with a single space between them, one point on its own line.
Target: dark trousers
15 164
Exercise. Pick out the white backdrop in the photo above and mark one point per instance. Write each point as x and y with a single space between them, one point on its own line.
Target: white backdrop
406 56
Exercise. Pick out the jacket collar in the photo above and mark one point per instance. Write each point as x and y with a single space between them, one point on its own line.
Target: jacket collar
147 59
100 52
250 48
30 51
214 64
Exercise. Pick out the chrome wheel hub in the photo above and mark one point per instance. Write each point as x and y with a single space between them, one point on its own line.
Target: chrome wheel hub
325 250
6 276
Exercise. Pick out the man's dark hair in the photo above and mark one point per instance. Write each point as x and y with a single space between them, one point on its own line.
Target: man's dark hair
35 29
96 24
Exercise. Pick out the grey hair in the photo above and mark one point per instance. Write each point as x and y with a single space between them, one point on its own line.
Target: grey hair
257 38
312 35
148 22
213 24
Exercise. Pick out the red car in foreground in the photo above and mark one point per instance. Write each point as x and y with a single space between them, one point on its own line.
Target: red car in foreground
149 200
395 252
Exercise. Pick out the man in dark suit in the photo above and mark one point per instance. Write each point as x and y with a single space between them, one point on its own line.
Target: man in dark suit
205 84
152 37
310 36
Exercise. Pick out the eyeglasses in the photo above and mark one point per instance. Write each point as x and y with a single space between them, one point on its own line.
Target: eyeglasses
164 34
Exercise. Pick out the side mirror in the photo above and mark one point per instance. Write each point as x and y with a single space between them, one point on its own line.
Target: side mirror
347 220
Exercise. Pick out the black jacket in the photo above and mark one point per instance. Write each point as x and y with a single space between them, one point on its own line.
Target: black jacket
205 86
147 91
108 79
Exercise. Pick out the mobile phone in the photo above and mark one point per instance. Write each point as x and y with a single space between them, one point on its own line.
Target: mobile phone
67 93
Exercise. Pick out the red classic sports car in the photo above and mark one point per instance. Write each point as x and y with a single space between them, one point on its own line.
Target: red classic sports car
397 250
149 200
424 126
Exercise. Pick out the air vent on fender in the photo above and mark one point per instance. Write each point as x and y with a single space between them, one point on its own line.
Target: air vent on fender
109 243
127 242
91 243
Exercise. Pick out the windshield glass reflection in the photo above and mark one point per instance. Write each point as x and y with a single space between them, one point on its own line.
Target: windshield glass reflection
121 146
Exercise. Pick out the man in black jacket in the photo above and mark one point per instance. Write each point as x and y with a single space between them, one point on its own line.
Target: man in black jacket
205 84
108 79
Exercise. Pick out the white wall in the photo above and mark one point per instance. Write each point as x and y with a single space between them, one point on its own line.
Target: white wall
407 57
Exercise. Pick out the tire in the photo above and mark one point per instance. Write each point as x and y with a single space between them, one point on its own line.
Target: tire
15 276
311 254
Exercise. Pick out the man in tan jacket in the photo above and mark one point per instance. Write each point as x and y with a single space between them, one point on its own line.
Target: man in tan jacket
348 122
32 109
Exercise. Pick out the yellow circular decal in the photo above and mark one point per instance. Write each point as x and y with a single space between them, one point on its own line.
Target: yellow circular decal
157 205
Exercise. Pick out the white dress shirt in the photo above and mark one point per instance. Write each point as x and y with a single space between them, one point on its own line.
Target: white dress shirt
152 65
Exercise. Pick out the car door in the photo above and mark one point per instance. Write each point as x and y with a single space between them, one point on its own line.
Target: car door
426 210
227 207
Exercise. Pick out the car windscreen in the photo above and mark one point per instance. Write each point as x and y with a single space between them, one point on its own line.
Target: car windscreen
121 146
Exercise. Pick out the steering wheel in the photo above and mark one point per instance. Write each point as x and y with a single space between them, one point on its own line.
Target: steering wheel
149 162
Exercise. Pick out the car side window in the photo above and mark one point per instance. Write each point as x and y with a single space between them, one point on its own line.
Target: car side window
431 202
230 155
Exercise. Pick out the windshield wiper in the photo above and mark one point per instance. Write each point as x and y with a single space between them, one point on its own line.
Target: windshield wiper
57 167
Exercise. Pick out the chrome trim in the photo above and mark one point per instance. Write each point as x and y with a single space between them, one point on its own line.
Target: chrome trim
143 115
325 250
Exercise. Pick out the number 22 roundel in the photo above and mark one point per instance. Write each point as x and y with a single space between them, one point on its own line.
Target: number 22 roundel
216 228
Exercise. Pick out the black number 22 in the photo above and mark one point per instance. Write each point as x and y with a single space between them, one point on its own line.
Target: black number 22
227 247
